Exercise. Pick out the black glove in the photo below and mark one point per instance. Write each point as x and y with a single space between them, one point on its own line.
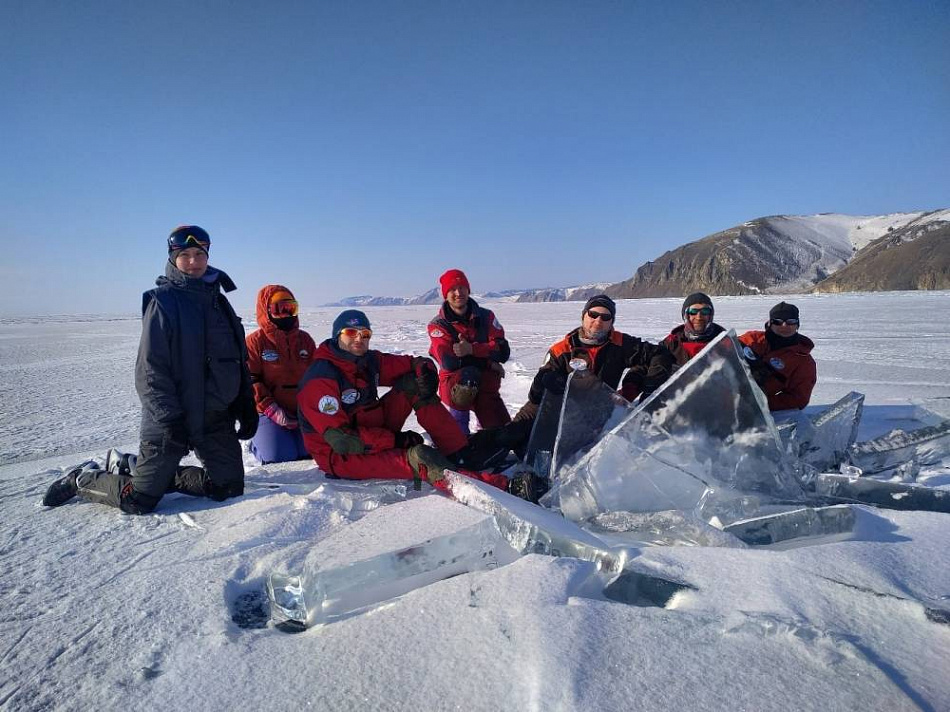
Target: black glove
344 442
244 410
554 381
427 378
407 438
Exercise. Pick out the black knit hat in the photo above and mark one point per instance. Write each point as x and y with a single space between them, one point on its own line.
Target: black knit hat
783 310
601 300
696 298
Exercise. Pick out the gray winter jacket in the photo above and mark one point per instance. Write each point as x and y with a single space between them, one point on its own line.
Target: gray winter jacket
192 358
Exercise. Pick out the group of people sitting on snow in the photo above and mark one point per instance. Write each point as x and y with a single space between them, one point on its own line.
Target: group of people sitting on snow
197 377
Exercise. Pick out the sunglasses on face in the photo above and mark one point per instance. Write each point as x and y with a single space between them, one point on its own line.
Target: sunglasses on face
284 308
783 322
704 311
351 332
603 316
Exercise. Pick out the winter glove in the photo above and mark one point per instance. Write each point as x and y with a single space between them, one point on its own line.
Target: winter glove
343 442
529 411
462 348
497 368
407 438
280 417
427 378
244 410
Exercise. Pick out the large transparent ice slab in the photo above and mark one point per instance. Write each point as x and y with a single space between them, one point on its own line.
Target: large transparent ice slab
704 439
588 408
318 596
530 529
540 450
925 446
823 440
889 495
793 524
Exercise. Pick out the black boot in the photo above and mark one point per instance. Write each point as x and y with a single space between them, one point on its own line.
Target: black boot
62 490
483 452
528 486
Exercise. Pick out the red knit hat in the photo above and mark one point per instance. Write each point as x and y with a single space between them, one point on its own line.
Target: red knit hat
453 278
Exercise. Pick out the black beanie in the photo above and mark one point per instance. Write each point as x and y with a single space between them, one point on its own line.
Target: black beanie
696 298
601 300
783 310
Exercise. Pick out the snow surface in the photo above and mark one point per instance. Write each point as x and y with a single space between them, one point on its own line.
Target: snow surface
106 611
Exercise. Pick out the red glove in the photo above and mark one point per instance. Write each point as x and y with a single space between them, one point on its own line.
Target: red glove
280 417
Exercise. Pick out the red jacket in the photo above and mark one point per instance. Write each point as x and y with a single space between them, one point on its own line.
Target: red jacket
481 328
684 349
339 390
277 359
794 370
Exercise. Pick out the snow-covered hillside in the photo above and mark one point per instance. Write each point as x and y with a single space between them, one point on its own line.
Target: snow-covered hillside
163 612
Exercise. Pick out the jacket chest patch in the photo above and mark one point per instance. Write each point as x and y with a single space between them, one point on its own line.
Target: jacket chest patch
350 396
270 356
303 353
436 333
777 363
328 405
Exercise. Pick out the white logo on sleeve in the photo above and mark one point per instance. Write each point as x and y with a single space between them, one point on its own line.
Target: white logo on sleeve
328 405
350 396
436 334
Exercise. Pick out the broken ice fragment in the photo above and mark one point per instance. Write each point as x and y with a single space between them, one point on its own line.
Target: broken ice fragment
889 495
804 522
928 446
702 438
318 596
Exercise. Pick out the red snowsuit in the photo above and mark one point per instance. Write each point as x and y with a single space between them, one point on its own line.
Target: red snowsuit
482 330
277 359
794 372
339 390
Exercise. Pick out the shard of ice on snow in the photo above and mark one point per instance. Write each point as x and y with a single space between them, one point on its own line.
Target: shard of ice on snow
793 524
823 440
588 408
925 446
317 596
704 439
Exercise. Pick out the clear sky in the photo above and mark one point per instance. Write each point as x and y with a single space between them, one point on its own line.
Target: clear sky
348 148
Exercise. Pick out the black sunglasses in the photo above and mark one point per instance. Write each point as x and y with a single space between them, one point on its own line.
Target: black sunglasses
705 311
783 322
603 316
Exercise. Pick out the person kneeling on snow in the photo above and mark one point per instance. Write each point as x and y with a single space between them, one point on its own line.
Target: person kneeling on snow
278 354
780 359
191 376
352 433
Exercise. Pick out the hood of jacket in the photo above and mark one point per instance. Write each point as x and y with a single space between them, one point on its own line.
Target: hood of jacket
263 300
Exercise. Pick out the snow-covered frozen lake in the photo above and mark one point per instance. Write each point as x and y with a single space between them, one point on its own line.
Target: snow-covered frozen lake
106 611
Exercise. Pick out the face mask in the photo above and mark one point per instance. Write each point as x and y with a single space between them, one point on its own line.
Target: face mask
285 323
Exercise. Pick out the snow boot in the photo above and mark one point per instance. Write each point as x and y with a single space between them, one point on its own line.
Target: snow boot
528 486
428 463
483 452
65 488
120 463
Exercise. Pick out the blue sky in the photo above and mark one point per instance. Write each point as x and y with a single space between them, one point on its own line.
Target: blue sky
347 148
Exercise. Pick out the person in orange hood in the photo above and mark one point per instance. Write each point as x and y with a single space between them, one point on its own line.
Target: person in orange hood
278 354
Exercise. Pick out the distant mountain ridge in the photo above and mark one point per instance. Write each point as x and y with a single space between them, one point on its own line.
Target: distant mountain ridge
779 254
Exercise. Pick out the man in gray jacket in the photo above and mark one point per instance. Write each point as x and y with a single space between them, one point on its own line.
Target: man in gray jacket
192 379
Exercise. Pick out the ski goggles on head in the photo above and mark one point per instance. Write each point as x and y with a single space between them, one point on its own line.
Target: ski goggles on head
783 322
603 316
351 332
189 236
704 311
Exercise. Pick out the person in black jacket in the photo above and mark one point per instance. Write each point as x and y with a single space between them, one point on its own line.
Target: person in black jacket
192 379
604 351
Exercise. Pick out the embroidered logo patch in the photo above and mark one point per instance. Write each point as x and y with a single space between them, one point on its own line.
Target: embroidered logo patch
328 405
270 356
436 333
777 363
749 353
578 364
350 396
